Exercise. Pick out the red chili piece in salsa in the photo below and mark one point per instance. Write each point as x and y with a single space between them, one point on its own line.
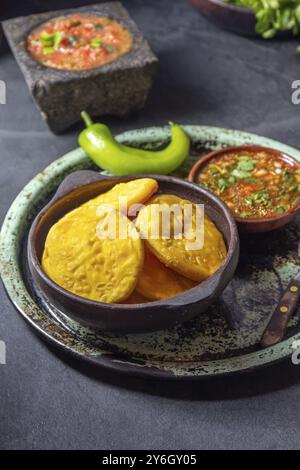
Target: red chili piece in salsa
253 184
79 42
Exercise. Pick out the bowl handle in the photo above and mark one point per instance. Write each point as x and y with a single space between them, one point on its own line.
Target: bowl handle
75 180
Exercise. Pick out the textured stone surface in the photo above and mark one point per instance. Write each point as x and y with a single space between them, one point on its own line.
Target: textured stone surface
116 88
48 400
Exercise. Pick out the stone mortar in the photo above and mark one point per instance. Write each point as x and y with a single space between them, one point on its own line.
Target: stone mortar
117 88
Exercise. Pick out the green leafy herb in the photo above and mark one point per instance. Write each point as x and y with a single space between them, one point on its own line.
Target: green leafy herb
292 187
240 173
281 210
73 39
109 48
243 215
244 167
222 184
98 27
216 169
273 16
258 198
231 179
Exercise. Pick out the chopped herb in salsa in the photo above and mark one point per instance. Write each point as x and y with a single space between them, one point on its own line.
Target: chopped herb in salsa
109 48
50 42
75 23
253 184
95 42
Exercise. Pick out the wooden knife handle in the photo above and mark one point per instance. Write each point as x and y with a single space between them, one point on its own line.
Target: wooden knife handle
277 325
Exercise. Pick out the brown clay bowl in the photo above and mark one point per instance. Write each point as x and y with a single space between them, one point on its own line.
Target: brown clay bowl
257 225
80 186
231 17
237 19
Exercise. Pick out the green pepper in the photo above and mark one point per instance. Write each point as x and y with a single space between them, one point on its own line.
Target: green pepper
99 144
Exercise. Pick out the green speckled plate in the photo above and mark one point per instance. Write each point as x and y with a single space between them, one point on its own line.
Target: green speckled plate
224 340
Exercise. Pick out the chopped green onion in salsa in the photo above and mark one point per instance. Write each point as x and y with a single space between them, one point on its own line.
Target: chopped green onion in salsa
95 42
253 184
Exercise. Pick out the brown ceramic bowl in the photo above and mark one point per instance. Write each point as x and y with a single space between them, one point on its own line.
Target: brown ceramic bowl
265 224
83 185
237 19
231 17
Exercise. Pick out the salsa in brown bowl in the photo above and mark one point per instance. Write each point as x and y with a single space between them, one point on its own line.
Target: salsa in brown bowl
256 183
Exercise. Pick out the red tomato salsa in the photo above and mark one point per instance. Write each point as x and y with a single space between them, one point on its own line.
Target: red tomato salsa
79 42
253 184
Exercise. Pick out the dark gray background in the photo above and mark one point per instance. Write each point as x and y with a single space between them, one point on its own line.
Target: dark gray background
50 401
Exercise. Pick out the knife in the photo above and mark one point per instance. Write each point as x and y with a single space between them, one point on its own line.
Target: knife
277 325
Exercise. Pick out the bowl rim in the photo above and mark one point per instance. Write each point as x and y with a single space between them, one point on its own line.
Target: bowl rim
183 299
227 6
196 169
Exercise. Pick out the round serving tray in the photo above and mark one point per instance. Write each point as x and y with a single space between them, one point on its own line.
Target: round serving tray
223 340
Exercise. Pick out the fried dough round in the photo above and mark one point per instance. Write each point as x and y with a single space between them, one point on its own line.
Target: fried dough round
136 191
157 282
104 270
197 263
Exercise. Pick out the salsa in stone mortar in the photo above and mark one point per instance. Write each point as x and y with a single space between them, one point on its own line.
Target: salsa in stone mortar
79 42
254 184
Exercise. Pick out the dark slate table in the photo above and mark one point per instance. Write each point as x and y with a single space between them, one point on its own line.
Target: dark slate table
49 400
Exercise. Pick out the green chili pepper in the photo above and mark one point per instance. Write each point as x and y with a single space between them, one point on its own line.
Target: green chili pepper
99 144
